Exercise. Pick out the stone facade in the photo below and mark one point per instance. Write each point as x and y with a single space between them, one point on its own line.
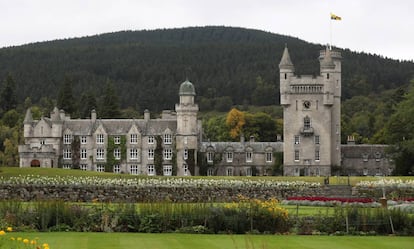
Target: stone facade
312 132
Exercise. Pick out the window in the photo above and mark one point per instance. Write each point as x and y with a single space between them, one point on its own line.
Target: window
100 168
83 154
317 140
117 140
100 138
167 170
229 172
67 139
151 140
133 153
83 167
229 157
210 172
133 169
249 157
306 123
365 171
167 154
150 170
117 153
210 157
317 155
134 139
67 154
100 153
296 155
150 154
269 156
67 166
117 169
167 139
297 139
83 139
42 142
185 154
185 169
249 172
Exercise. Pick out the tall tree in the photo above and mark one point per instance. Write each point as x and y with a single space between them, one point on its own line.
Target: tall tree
87 104
399 131
65 99
110 107
8 99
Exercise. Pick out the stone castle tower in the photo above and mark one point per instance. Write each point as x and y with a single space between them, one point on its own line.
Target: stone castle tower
312 116
187 128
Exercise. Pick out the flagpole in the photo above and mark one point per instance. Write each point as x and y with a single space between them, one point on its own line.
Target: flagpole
330 34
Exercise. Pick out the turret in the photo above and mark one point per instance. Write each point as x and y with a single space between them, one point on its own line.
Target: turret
287 71
28 119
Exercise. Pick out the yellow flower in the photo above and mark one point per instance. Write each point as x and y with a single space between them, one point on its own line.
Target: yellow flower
9 229
2 232
33 242
26 241
12 238
19 238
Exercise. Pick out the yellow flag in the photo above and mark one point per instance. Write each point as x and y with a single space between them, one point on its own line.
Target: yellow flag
335 17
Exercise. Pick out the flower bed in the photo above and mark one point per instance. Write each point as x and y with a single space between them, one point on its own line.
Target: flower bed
329 201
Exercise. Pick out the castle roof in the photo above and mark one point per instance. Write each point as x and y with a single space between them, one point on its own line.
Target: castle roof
187 88
28 118
286 62
327 61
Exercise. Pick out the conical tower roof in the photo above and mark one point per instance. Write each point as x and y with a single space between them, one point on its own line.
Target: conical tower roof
28 118
327 61
286 62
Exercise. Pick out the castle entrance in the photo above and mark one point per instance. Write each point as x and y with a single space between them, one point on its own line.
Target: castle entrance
35 163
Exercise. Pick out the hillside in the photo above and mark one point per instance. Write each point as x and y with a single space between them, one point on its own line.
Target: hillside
147 66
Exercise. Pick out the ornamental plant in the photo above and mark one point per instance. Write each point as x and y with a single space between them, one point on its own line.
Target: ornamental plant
8 241
263 215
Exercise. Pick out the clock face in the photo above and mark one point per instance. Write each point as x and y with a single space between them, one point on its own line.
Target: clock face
307 104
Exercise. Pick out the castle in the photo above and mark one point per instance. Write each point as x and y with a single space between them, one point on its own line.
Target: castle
173 145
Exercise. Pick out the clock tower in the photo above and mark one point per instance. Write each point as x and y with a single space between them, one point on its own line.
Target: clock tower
311 116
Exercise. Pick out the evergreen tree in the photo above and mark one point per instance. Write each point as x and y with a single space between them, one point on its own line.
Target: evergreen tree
399 131
8 98
65 100
110 107
87 104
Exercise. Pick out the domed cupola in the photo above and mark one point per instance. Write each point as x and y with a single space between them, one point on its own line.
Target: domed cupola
187 88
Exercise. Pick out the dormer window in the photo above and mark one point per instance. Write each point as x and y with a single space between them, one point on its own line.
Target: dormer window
67 139
167 138
100 138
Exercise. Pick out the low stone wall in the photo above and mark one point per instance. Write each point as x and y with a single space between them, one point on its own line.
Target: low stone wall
148 194
389 192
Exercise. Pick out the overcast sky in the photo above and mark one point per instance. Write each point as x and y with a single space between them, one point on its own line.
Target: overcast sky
382 27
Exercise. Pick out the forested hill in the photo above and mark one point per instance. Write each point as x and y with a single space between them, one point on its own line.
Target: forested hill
146 67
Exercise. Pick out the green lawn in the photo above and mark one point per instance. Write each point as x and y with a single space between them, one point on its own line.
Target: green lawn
72 240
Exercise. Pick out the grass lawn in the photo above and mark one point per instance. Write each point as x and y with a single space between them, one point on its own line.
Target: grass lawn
71 240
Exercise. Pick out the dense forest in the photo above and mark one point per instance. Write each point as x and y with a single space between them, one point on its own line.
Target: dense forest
146 67
123 73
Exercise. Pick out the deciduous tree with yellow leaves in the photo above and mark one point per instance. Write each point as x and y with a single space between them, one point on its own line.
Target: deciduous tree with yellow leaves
235 121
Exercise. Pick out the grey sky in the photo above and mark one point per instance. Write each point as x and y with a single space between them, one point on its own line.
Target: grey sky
381 27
